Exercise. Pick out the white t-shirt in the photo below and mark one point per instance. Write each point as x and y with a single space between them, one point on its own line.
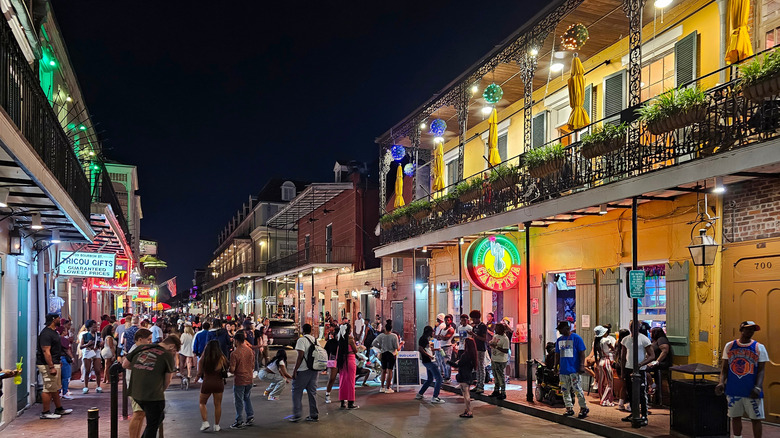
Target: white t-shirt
500 356
628 342
440 330
607 344
763 356
359 324
303 344
463 333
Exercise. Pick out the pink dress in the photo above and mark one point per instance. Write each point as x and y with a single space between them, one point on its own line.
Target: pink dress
347 377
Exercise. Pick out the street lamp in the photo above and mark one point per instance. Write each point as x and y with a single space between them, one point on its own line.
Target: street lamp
703 249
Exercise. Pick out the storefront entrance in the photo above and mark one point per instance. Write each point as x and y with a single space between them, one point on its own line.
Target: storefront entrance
22 334
751 291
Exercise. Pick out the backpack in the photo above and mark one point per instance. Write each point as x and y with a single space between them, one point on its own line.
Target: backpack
316 357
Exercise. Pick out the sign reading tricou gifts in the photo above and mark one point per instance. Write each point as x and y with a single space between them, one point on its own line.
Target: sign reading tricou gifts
87 264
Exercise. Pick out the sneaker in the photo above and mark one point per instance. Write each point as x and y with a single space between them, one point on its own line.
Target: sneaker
62 411
501 396
569 412
382 389
628 418
237 425
217 428
249 421
204 426
437 401
85 390
583 413
388 391
292 418
312 419
99 390
494 394
327 397
273 398
67 396
352 406
418 397
265 393
49 416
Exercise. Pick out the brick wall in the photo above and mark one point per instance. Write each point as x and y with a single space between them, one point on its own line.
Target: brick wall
752 210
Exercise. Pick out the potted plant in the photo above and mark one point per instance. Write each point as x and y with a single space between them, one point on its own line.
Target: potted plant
544 160
468 191
503 176
445 202
400 216
675 109
387 221
419 209
603 140
761 77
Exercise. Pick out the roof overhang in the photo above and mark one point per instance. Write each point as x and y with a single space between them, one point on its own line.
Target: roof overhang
307 269
309 200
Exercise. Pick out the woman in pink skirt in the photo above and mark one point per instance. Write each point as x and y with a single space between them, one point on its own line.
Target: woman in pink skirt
603 348
345 360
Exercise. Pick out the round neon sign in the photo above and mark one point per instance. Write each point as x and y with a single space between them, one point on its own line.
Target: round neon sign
493 263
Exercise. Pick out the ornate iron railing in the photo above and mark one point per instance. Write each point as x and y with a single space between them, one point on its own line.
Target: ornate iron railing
316 254
25 103
731 121
104 192
242 268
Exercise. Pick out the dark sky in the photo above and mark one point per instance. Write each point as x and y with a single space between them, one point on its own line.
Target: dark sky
210 99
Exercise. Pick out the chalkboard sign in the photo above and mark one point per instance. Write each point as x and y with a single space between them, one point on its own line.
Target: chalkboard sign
407 368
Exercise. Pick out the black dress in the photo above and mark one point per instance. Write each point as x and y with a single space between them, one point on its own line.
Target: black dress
465 369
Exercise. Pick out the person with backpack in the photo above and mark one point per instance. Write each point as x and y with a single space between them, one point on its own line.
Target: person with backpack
305 377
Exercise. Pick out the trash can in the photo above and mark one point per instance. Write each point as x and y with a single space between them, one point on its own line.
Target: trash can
696 410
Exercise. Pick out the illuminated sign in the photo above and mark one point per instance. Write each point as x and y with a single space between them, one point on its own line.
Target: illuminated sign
147 247
140 293
120 282
493 263
87 264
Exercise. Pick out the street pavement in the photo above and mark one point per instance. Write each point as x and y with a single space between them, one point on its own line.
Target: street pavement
379 415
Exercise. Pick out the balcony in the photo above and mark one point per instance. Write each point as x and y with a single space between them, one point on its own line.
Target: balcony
316 255
104 193
233 273
731 123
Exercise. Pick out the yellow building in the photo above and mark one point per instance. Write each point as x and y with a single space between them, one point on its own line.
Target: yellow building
711 163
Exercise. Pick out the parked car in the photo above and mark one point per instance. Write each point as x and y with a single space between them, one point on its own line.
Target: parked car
282 332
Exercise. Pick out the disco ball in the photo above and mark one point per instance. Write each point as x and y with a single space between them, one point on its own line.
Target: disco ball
409 169
397 152
438 127
493 93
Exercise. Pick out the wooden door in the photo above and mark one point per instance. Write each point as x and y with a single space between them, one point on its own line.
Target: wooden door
751 291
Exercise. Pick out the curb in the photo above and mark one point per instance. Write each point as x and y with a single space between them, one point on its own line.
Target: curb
586 425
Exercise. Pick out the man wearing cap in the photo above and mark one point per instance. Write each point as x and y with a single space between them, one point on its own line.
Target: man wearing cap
570 362
443 338
742 378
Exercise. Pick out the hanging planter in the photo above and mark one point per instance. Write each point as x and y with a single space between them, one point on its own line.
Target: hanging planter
761 78
503 177
444 203
604 140
469 191
419 209
674 110
545 160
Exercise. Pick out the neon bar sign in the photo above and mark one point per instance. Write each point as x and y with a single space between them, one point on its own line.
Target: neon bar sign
493 263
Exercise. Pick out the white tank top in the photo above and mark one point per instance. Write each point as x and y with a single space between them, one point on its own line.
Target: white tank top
273 367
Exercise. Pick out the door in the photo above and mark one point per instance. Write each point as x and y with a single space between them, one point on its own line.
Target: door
751 291
397 315
421 294
22 336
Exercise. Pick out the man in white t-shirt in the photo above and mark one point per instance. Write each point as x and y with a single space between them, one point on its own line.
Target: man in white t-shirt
645 356
360 328
304 378
463 332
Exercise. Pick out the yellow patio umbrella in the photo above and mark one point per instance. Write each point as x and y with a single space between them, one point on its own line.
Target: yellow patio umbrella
399 187
438 168
579 117
493 156
739 40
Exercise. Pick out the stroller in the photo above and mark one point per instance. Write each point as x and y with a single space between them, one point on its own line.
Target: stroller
548 387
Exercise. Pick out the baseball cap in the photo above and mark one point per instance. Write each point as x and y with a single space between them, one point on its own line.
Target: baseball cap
563 324
749 324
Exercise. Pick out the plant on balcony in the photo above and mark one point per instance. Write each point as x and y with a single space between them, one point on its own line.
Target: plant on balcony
503 176
387 221
419 209
445 202
544 160
603 140
468 191
761 77
675 109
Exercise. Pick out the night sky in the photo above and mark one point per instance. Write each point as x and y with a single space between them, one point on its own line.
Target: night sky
211 99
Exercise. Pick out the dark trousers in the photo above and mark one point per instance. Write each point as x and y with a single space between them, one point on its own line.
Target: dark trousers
626 374
155 413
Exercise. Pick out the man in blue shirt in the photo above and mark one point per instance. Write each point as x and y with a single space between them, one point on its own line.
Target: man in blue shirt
570 361
201 339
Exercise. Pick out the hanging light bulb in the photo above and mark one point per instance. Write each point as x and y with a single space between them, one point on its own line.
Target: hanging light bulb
36 221
533 51
556 67
660 4
474 89
487 110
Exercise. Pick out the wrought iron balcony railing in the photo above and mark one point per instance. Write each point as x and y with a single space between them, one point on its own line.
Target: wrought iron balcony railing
235 271
104 192
730 121
316 254
25 103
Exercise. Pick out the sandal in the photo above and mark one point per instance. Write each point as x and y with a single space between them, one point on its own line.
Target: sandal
466 415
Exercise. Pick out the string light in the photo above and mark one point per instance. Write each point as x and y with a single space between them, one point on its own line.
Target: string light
574 37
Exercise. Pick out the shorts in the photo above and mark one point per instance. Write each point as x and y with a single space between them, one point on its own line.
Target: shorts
50 383
388 360
134 405
331 363
740 406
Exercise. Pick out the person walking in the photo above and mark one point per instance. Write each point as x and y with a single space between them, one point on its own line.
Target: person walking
141 337
304 377
212 369
48 360
242 365
742 379
360 329
444 334
387 343
157 332
662 349
603 348
66 359
332 349
108 352
428 361
153 366
646 355
499 345
276 374
463 333
186 354
345 361
570 362
465 364
479 334
128 337
201 339
90 345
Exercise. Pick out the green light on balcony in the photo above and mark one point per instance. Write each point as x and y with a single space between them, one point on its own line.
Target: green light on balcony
82 128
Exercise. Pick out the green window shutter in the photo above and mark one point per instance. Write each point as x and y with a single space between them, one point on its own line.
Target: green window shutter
685 55
538 130
677 308
614 95
588 104
502 140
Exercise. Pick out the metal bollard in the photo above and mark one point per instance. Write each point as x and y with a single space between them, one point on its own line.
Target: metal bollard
113 373
124 394
93 415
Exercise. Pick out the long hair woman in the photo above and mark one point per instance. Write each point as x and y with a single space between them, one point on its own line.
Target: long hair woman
90 344
332 348
108 353
275 373
210 369
186 355
429 361
345 361
466 365
603 347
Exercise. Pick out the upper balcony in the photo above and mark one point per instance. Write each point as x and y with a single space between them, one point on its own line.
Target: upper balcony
240 270
315 256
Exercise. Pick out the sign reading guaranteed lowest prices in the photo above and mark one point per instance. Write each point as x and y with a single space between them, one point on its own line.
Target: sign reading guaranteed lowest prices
87 264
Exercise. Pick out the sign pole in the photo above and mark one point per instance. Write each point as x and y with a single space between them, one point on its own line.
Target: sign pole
635 376
460 277
529 393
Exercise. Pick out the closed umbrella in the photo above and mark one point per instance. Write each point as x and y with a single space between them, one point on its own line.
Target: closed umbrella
438 168
739 40
494 158
579 117
399 188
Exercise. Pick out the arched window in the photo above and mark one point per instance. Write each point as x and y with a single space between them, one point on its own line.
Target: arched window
288 191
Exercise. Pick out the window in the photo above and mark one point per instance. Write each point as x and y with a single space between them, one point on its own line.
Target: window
652 308
398 264
502 141
770 22
288 191
658 76
328 242
538 130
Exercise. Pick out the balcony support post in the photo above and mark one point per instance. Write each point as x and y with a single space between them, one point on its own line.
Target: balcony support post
414 157
384 169
633 10
528 67
462 111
